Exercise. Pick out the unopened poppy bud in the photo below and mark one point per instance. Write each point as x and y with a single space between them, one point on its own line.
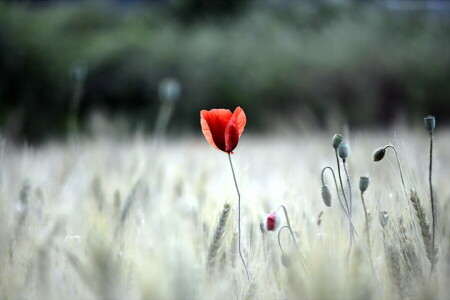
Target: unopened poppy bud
78 72
285 260
169 90
430 123
384 218
379 154
343 150
326 195
337 140
272 221
363 183
262 227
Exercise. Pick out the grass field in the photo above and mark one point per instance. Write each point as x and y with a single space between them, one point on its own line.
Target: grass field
125 218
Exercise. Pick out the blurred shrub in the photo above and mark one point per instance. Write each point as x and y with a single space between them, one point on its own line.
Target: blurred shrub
193 10
316 63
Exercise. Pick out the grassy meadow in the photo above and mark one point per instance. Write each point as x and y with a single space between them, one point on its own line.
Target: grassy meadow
130 218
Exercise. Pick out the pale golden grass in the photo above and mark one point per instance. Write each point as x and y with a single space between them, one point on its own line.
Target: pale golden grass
114 218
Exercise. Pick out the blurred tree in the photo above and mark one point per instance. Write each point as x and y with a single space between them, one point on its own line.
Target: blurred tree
190 10
362 65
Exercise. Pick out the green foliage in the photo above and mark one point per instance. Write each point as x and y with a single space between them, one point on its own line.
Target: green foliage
299 61
192 10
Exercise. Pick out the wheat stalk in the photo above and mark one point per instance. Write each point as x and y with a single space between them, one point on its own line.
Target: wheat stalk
216 241
395 270
427 237
408 251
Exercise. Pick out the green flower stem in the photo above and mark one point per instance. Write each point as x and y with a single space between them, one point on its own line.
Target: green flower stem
239 217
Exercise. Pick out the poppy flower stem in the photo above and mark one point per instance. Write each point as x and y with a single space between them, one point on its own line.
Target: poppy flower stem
294 239
340 179
338 194
404 187
345 197
433 206
239 217
279 237
399 169
350 204
369 246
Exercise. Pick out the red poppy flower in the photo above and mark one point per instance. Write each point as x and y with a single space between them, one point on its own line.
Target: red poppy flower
222 129
272 221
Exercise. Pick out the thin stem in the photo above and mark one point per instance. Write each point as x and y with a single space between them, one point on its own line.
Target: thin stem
340 178
343 193
350 204
279 237
433 207
339 196
294 239
399 168
404 188
75 104
239 217
367 228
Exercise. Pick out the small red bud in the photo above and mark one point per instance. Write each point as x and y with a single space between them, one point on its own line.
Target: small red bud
271 222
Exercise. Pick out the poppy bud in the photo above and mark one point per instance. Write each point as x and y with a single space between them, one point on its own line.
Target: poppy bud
379 154
363 183
343 150
326 195
262 227
285 260
78 72
272 221
384 218
337 140
169 90
430 123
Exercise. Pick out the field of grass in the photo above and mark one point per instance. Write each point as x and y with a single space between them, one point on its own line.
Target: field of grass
126 218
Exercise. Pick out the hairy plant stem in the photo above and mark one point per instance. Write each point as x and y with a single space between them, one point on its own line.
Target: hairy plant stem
369 246
279 237
433 207
72 124
350 204
340 178
294 239
239 217
343 193
404 188
339 196
399 168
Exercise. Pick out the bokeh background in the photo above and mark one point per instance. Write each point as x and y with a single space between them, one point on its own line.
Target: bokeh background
289 63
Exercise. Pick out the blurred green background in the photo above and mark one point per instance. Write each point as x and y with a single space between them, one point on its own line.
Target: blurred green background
303 63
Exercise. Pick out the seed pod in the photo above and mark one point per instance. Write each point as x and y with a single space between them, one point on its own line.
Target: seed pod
430 123
343 150
337 140
379 154
285 260
384 218
78 72
363 183
326 195
169 90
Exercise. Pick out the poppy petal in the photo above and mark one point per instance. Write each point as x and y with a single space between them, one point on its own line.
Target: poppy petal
231 137
213 124
241 119
205 128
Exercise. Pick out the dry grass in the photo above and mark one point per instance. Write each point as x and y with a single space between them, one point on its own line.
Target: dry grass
124 219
